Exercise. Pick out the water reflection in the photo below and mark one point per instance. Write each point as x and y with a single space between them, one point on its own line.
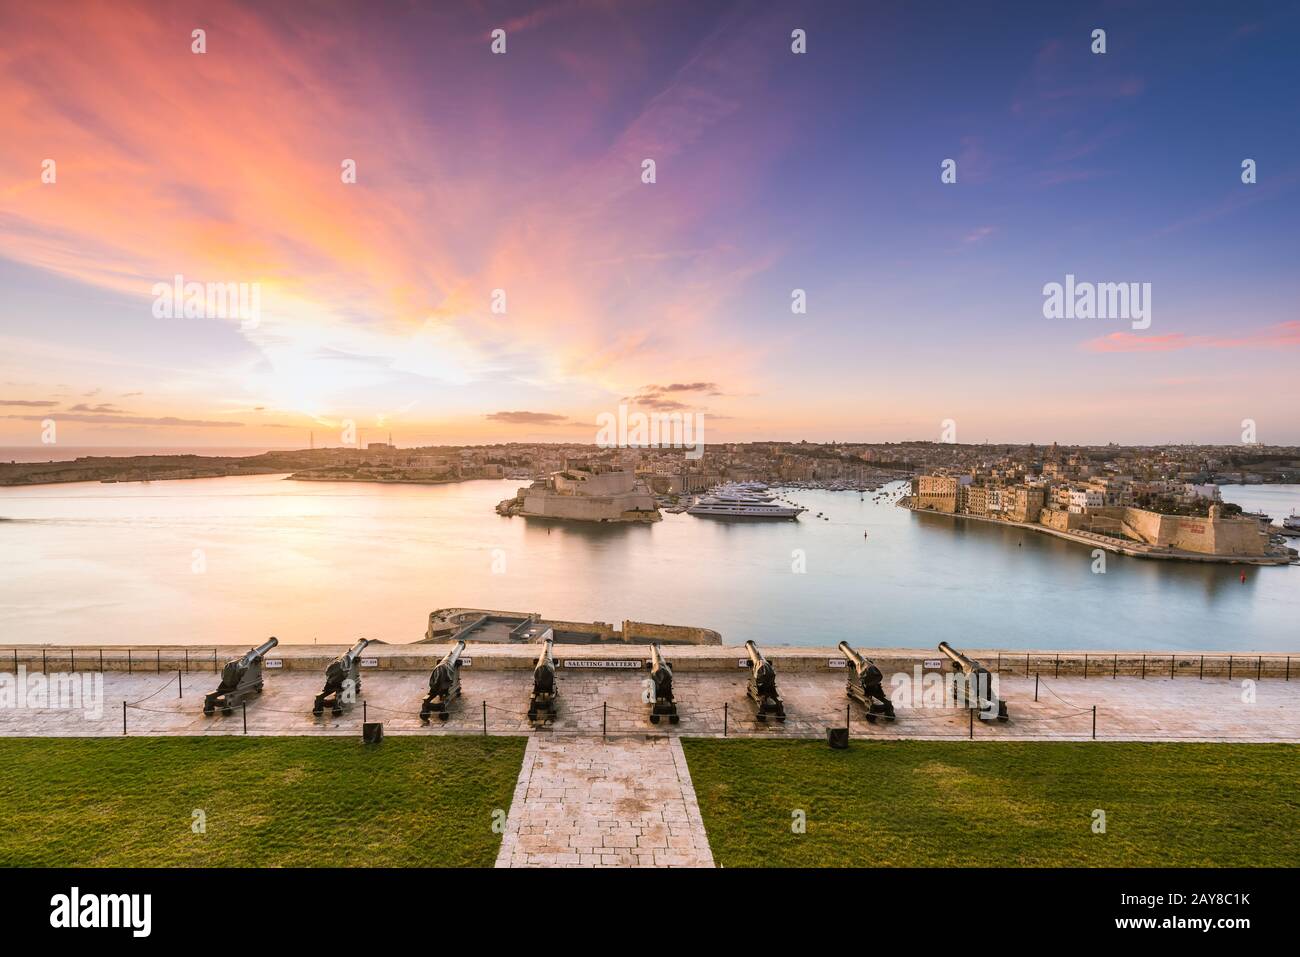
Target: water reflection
89 564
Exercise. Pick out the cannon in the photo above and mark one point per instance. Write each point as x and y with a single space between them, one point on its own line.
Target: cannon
762 685
444 685
541 703
661 677
864 684
342 680
980 684
240 677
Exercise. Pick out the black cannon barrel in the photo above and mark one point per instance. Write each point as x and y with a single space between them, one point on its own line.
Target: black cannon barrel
544 659
444 685
982 683
865 684
443 677
762 685
661 677
541 702
967 664
263 648
357 648
858 661
453 656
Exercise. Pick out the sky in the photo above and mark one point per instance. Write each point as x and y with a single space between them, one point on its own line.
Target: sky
523 173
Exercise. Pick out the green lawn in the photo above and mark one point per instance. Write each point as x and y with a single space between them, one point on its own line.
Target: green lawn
921 803
291 801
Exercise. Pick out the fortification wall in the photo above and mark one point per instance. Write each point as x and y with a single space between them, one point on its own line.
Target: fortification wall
686 659
634 631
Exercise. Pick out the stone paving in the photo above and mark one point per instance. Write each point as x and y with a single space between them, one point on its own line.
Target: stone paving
600 785
590 801
711 704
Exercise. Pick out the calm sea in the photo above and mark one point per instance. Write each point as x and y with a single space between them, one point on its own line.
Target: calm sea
235 559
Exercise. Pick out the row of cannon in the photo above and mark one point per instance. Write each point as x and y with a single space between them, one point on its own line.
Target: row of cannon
242 677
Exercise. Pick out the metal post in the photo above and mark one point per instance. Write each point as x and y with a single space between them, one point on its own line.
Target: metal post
1085 666
1288 667
72 652
187 661
604 717
1171 666
1202 667
1144 667
128 661
1026 666
101 659
101 669
244 704
43 661
1058 666
158 660
179 693
485 718
1259 668
971 712
1229 667
1035 685
999 662
1114 673
724 719
1094 722
364 711
124 717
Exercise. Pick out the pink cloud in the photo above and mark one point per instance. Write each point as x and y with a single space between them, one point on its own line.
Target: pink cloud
1281 336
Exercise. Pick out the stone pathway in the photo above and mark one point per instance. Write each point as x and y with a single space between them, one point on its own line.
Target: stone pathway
587 801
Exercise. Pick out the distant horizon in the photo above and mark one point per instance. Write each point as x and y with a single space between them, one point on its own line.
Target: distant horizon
259 449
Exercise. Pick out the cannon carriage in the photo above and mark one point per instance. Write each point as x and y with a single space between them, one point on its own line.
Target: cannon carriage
865 685
543 699
342 681
240 679
444 685
661 681
762 686
980 684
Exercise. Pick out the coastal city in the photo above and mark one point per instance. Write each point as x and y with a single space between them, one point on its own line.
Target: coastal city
1157 502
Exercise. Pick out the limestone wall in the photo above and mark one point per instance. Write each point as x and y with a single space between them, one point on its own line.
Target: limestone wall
1221 536
165 662
642 631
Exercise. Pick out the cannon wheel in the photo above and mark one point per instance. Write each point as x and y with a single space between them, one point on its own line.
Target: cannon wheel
654 719
673 719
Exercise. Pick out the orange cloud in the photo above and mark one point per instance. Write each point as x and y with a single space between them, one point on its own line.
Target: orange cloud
225 167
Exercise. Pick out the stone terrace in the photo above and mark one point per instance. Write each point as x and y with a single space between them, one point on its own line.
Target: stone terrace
711 699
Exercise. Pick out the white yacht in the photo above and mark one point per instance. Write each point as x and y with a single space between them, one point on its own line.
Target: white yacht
735 502
1291 525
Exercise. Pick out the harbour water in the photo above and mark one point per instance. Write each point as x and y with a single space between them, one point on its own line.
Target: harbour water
236 559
